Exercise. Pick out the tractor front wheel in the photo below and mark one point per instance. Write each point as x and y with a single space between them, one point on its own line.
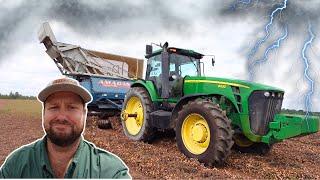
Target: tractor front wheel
204 132
244 145
135 115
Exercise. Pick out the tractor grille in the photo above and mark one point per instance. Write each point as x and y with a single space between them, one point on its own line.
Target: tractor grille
263 105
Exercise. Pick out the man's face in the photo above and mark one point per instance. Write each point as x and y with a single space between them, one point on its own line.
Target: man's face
63 118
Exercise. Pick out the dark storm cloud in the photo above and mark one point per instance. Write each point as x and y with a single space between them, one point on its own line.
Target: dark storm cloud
86 18
234 10
296 14
10 19
124 18
90 18
295 17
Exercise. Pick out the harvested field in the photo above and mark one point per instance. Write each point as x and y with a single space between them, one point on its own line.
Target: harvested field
294 158
2 103
20 124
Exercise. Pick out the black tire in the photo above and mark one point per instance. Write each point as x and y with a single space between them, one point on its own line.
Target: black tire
254 148
104 124
220 142
106 115
146 132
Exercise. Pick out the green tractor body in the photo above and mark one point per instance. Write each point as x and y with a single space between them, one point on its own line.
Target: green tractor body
208 114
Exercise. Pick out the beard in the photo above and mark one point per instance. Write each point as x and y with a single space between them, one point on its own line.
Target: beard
65 138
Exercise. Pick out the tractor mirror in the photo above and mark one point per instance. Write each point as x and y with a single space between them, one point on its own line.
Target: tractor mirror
165 46
213 61
148 49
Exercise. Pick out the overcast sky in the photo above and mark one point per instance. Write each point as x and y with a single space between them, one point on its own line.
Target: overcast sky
227 29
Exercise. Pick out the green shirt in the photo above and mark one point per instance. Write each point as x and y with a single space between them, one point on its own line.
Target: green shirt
31 161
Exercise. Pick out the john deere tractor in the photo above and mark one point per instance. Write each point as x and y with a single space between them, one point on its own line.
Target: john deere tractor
209 115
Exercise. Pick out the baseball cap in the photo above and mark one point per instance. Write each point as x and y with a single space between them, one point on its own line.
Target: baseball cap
65 84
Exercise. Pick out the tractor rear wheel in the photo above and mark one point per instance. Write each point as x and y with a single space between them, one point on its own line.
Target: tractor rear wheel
244 145
204 132
135 115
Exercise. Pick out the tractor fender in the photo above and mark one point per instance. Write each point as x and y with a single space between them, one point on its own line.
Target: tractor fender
148 85
184 100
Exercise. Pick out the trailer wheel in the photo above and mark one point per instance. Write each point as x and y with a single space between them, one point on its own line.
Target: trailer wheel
135 115
104 124
244 145
204 132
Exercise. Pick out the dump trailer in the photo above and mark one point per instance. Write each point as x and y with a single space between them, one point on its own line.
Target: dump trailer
209 115
106 76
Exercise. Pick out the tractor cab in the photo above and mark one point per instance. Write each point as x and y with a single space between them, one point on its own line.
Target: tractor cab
167 67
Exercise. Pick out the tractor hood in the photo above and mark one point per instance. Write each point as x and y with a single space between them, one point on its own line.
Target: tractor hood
251 86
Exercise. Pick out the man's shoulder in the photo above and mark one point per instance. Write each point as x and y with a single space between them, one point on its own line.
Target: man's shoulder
108 161
24 150
18 159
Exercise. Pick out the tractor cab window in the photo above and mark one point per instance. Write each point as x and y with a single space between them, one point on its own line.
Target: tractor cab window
188 69
154 67
154 72
184 65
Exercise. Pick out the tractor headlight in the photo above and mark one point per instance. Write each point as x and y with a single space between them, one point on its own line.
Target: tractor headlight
266 94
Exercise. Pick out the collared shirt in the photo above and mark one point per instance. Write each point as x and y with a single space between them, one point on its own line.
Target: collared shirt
31 161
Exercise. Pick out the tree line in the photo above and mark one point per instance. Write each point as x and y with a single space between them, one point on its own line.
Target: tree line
300 112
15 95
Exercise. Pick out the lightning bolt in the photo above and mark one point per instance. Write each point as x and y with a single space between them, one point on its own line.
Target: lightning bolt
252 63
262 40
307 44
273 46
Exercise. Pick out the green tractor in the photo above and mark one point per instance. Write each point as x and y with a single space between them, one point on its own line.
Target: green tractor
209 115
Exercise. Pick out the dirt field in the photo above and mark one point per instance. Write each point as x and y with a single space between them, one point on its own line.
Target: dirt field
2 103
294 158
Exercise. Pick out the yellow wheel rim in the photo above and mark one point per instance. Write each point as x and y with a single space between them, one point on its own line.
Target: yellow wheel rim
134 108
195 133
242 141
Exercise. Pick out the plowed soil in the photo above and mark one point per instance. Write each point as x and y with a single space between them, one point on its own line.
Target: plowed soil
293 158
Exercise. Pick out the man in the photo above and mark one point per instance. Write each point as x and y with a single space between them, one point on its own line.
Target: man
62 152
